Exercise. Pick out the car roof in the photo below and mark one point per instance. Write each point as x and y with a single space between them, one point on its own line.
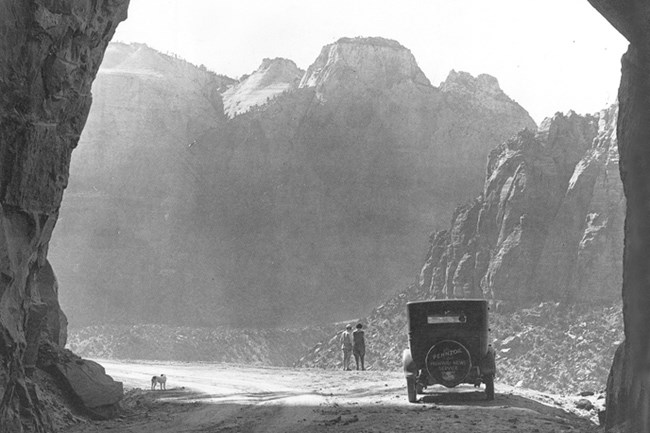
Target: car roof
431 301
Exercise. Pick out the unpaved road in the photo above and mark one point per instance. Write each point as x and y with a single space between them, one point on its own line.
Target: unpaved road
233 398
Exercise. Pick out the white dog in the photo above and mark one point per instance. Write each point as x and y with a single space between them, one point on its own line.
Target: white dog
162 380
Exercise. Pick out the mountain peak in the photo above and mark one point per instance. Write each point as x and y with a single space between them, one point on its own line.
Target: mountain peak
140 60
272 78
278 62
369 62
482 92
374 41
464 82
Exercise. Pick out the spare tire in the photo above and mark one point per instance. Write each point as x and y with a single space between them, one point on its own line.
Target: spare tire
448 362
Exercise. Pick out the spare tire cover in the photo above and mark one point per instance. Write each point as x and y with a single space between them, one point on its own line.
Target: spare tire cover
448 362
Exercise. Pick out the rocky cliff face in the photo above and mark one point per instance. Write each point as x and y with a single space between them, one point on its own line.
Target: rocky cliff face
305 208
272 78
50 54
362 62
628 387
548 225
132 183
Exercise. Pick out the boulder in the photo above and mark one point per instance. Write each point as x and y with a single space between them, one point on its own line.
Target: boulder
584 404
95 392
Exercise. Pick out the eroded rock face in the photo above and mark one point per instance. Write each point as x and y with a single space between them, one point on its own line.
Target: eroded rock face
56 322
272 78
628 390
548 224
50 54
277 209
366 62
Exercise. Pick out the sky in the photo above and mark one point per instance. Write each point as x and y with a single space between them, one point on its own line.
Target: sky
548 55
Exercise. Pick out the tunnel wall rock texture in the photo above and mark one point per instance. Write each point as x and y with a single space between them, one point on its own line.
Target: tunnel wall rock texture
51 50
628 387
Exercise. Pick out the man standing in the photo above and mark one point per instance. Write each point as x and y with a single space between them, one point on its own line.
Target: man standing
359 346
346 347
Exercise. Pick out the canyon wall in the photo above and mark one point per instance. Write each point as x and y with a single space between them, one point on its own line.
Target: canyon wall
51 51
291 201
548 225
121 237
50 54
628 388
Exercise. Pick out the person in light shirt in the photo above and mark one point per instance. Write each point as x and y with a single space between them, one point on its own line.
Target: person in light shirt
346 346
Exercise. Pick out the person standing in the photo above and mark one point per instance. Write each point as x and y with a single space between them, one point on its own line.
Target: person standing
359 346
346 347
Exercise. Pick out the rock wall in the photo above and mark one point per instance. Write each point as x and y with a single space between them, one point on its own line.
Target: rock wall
304 208
628 389
50 54
272 78
123 226
547 226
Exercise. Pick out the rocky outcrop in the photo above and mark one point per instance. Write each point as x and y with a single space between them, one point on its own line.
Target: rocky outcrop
126 209
628 390
50 54
547 226
366 62
305 208
56 322
92 391
489 104
272 78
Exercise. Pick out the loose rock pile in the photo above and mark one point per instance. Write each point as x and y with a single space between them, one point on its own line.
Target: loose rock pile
548 348
555 349
162 342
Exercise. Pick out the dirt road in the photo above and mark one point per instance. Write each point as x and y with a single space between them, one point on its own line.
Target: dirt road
232 398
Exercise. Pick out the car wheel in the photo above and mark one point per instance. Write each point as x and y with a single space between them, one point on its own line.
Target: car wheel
410 387
489 386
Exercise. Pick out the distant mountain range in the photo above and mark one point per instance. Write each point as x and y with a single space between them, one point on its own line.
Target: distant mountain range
285 197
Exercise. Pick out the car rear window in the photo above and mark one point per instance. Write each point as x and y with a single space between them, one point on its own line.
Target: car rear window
434 319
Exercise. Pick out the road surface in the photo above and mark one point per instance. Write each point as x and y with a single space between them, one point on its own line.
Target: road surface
225 398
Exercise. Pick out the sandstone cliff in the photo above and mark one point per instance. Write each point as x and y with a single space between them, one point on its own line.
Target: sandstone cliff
548 224
272 78
132 183
628 387
301 208
50 54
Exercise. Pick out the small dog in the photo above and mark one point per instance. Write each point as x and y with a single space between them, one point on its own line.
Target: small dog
162 380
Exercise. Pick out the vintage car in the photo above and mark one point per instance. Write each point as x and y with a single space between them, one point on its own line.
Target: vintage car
448 345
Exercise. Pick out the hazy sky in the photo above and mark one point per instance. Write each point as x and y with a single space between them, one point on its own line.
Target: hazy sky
548 55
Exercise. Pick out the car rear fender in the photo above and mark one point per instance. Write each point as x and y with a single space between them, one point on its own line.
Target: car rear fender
488 362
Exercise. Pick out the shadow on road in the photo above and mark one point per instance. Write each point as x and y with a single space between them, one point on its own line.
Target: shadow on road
456 410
